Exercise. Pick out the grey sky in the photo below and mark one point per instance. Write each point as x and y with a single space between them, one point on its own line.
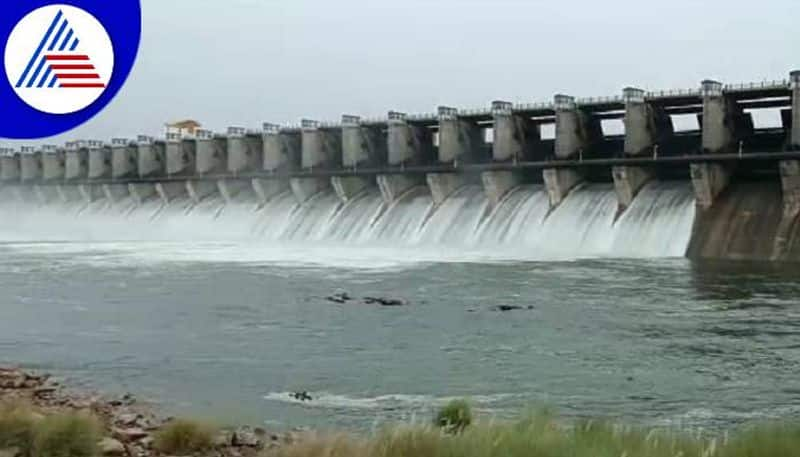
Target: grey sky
242 62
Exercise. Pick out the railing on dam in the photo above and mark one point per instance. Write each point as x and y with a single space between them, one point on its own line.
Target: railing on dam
456 167
452 140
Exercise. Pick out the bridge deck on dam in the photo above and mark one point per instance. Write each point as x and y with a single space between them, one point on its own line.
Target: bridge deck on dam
744 158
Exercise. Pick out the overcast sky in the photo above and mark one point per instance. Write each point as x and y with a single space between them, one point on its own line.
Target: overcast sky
242 62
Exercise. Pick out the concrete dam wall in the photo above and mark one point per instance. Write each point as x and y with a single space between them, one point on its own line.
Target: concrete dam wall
490 181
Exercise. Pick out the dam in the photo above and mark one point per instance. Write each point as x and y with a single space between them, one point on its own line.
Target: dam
608 176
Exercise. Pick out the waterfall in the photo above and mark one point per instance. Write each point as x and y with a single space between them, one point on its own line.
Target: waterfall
522 227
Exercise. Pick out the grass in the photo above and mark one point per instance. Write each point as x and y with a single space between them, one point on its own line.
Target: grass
542 435
56 435
452 433
16 428
183 437
66 435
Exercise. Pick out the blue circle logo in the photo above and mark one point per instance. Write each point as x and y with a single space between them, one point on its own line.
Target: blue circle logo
63 62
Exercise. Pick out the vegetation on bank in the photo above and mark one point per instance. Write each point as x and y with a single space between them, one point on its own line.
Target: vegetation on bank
539 435
184 437
32 434
453 432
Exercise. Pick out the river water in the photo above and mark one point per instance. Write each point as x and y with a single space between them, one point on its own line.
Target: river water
220 310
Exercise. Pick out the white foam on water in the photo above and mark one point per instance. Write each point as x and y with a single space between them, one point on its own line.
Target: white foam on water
362 233
326 400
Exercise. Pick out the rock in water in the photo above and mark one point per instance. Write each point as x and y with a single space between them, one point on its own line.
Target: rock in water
339 297
302 396
506 308
385 301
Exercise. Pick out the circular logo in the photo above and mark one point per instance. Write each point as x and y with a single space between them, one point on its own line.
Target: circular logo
59 59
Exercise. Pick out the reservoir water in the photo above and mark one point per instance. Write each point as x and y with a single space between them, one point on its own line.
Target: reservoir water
220 310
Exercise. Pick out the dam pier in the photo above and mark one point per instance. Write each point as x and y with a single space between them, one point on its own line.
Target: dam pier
743 177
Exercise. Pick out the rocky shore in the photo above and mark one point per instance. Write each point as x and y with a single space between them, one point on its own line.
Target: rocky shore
129 426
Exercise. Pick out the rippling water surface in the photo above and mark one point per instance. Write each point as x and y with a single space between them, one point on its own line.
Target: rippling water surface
661 341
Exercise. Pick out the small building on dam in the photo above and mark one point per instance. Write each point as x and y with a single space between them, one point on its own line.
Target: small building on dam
745 177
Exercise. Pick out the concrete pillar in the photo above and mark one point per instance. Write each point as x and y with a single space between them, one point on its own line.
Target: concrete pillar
211 158
53 163
442 185
99 166
115 193
709 180
628 181
305 188
645 126
90 192
321 147
244 151
180 161
795 129
180 154
244 155
282 148
408 144
230 188
200 190
719 121
790 183
575 133
576 130
151 157
211 155
76 168
393 187
516 138
100 160
267 189
9 165
30 164
498 184
141 192
790 191
460 140
52 171
790 173
123 159
169 191
559 183
349 187
282 152
76 165
362 145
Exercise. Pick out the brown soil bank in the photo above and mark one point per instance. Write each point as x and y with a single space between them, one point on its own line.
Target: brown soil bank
747 222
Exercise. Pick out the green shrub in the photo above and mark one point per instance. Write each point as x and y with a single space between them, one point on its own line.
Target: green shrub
16 428
542 435
454 417
764 440
66 435
182 437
